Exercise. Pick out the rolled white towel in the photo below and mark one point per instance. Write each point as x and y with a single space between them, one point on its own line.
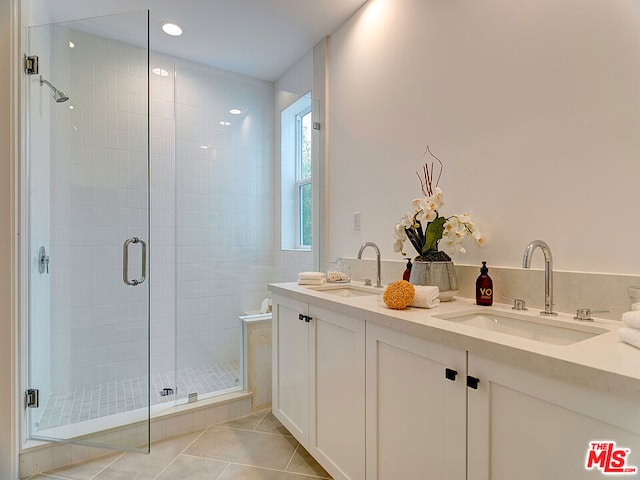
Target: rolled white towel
632 319
630 336
425 297
304 281
311 276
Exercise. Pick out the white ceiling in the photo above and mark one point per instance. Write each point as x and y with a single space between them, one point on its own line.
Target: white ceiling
260 38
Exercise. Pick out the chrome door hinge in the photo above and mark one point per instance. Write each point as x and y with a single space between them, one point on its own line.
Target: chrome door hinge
31 65
32 398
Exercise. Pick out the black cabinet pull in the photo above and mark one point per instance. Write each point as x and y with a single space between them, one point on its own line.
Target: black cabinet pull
306 318
450 374
472 382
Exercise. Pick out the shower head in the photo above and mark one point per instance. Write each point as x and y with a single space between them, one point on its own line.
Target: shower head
58 96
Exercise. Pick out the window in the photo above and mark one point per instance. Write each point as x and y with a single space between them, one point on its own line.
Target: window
303 178
296 165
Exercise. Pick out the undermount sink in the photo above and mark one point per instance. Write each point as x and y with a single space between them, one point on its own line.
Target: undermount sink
346 290
541 329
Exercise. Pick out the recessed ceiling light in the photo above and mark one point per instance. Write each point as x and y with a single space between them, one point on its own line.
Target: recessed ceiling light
235 111
71 107
172 29
224 123
71 44
204 147
160 72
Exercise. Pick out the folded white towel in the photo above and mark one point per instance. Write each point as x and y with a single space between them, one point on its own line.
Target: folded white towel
426 297
311 276
304 281
632 318
630 336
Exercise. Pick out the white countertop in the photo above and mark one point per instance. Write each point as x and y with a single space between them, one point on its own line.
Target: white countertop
602 362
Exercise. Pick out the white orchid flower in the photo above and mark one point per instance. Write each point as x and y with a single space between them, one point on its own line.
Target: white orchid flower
451 224
428 204
399 233
479 237
398 245
436 199
406 221
437 196
430 216
464 218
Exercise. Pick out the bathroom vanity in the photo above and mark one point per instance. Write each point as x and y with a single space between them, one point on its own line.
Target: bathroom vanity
454 392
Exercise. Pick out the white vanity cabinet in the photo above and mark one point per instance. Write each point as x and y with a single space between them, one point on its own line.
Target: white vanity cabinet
319 383
435 412
529 426
416 408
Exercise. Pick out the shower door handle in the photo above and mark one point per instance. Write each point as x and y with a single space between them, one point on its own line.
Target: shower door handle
125 261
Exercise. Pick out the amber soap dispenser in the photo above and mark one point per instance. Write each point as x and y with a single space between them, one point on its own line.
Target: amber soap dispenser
484 287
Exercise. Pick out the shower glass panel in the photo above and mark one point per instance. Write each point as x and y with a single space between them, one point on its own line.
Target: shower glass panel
88 197
224 220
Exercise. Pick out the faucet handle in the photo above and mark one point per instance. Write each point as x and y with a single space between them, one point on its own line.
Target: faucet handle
584 314
518 304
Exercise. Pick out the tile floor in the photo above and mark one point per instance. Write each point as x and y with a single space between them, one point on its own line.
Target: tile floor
255 447
88 403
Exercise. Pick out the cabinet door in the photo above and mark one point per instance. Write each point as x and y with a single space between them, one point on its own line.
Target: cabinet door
337 396
290 388
416 417
529 426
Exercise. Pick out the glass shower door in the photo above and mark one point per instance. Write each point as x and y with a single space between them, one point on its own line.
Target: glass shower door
88 217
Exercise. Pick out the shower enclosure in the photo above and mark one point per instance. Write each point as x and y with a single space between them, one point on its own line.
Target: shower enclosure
150 228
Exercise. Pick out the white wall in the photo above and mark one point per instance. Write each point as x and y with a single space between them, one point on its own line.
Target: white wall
534 107
293 84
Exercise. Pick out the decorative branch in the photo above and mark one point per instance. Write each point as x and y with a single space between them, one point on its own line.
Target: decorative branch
426 180
441 165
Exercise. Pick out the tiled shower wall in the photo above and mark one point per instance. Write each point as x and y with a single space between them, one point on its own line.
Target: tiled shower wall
224 208
211 210
163 220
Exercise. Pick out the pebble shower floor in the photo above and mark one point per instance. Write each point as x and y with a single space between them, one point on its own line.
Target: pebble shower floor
88 403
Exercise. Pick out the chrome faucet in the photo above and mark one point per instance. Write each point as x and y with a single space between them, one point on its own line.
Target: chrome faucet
375 247
548 272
